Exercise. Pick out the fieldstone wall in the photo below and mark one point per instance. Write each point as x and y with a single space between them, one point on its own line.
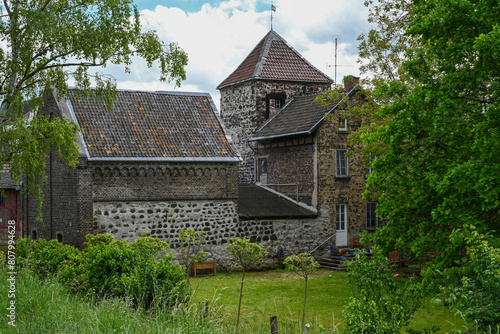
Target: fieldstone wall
243 111
219 219
341 190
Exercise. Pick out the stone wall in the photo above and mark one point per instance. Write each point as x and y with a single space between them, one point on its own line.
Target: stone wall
243 111
219 220
129 181
341 190
291 161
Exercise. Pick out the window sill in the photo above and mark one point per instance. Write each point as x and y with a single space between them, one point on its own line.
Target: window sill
342 177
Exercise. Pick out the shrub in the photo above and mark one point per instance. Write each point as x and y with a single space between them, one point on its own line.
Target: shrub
140 271
46 257
380 304
480 291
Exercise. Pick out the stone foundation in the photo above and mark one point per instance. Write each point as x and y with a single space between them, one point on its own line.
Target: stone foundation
219 219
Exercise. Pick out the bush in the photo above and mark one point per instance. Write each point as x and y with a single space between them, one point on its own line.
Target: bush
380 304
46 256
140 271
481 288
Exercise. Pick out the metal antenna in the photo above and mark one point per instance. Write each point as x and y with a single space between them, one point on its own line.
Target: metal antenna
335 66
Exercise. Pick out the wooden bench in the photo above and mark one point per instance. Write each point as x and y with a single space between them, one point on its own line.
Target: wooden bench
202 266
394 258
355 243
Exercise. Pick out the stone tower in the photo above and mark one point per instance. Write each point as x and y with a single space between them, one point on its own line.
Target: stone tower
271 75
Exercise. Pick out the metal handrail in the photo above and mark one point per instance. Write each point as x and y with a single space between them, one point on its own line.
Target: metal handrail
291 184
321 244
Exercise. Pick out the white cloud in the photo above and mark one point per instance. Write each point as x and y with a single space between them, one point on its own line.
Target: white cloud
218 37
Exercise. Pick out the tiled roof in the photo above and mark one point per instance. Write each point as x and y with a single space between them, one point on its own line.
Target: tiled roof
274 59
257 202
300 116
151 125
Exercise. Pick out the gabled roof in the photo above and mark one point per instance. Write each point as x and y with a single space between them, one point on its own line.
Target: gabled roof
300 116
274 59
151 126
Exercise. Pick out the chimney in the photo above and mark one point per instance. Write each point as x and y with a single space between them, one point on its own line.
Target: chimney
350 81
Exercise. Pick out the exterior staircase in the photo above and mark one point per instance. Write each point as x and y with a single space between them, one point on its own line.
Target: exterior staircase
335 261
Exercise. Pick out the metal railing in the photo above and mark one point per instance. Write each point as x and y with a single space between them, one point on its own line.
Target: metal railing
321 244
285 185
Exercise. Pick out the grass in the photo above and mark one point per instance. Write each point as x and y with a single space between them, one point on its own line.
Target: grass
47 307
280 293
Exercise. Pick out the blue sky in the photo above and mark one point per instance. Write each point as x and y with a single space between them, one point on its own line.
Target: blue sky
192 5
218 35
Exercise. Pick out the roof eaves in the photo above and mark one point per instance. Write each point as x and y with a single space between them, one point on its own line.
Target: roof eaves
316 126
167 159
75 120
280 135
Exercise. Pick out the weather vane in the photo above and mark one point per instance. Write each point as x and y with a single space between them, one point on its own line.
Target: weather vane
273 9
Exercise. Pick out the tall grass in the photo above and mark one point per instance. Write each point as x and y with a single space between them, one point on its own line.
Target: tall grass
47 307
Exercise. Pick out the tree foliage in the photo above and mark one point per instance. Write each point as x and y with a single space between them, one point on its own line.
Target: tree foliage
302 264
45 43
246 254
441 168
191 242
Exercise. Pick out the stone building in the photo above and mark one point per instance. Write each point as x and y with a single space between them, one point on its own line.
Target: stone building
287 143
157 163
270 76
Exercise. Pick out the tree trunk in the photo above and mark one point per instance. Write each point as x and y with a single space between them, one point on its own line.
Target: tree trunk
239 305
304 306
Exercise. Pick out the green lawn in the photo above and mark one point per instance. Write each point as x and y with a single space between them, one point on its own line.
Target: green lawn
281 293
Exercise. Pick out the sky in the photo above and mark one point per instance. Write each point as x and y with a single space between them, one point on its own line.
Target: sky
218 35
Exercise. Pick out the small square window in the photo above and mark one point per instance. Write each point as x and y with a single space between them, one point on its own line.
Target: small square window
277 104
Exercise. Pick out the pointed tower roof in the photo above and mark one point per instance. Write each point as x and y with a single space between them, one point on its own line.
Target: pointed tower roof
274 59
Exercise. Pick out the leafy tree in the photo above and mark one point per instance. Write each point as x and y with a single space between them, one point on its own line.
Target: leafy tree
441 168
47 42
191 242
302 264
246 254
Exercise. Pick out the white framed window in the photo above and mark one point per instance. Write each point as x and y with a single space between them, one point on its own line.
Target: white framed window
371 216
371 160
342 124
277 104
341 216
341 163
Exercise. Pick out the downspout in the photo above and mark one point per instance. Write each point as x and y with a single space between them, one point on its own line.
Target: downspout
254 162
50 189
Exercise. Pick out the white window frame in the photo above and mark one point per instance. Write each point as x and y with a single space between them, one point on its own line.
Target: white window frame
371 215
342 122
371 160
341 216
341 163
